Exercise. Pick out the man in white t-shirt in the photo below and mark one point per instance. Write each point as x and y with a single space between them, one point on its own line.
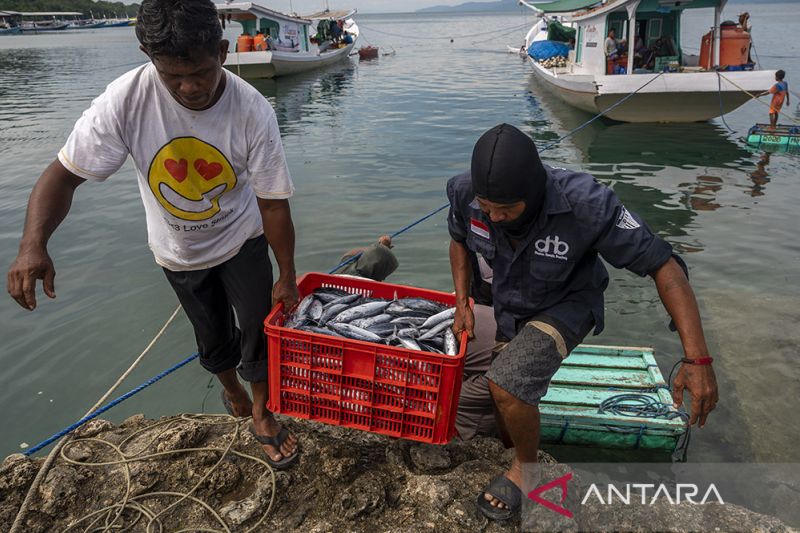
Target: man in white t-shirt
214 183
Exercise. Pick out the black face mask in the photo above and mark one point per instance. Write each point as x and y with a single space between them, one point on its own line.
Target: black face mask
506 169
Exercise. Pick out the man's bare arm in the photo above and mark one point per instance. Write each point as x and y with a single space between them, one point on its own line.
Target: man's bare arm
48 205
679 301
462 276
279 230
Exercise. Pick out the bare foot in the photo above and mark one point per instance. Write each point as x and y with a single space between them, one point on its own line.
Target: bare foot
515 475
267 426
241 405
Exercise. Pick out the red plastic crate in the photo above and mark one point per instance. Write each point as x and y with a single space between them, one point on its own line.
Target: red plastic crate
382 389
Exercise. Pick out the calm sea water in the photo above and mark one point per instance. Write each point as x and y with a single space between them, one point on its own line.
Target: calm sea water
370 146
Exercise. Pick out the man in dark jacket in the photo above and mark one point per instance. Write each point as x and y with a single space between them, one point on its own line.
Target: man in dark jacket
542 231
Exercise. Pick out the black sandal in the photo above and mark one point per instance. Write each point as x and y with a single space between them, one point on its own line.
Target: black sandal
504 490
277 441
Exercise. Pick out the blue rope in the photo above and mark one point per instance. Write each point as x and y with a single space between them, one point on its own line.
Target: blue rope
393 235
109 405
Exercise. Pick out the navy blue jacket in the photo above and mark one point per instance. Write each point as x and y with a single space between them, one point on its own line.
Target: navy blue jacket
556 270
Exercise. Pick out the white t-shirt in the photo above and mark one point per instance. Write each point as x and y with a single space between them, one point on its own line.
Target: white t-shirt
199 171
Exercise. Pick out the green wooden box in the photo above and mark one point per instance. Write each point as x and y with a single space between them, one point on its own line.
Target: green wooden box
590 375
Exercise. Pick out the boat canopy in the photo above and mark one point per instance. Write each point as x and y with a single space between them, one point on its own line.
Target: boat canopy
53 14
259 11
570 6
10 14
563 6
336 15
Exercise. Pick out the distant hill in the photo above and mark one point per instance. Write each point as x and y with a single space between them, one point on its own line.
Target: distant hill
472 7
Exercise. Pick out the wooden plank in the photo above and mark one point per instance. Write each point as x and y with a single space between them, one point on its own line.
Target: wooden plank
604 361
590 416
603 377
590 397
626 351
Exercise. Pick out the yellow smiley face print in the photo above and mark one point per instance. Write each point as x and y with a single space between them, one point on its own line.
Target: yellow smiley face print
188 177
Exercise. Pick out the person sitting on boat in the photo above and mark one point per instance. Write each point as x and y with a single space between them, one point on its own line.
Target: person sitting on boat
260 42
542 231
780 93
214 201
611 45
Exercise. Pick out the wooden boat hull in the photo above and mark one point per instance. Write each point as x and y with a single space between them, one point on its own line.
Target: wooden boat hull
257 65
673 97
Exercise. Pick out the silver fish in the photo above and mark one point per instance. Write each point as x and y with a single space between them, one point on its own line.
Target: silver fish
407 332
421 304
315 329
371 321
347 299
383 329
409 320
436 330
327 297
439 317
330 311
428 347
450 342
362 311
353 332
304 306
409 344
315 311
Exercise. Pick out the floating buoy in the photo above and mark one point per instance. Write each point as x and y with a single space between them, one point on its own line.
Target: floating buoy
368 52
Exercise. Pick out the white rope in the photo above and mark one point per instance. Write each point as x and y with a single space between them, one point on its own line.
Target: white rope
15 528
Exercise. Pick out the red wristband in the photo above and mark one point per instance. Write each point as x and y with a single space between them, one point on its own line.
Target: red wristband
702 361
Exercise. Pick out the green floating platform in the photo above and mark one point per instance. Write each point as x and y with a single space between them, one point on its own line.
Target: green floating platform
778 138
592 374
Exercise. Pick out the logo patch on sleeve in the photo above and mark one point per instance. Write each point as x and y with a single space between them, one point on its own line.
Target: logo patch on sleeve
479 228
626 221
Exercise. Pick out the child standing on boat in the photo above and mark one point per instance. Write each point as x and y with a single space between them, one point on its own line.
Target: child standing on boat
780 93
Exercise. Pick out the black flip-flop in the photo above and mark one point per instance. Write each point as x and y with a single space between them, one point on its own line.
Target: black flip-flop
277 441
503 489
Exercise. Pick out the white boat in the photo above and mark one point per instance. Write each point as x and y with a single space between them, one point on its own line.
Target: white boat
9 22
684 87
45 21
294 46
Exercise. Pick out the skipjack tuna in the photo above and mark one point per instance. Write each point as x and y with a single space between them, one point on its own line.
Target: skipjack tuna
412 323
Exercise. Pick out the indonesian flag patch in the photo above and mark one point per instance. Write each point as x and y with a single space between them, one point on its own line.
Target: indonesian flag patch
479 228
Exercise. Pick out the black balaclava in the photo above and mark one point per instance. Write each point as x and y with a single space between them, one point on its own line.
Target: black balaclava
506 169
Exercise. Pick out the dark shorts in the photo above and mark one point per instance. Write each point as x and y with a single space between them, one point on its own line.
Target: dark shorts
210 297
524 366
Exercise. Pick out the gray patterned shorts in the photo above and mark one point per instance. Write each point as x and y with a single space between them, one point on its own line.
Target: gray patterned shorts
524 366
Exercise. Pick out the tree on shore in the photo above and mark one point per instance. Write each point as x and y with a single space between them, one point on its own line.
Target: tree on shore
99 8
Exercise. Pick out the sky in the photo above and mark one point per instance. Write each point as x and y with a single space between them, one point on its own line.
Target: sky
364 6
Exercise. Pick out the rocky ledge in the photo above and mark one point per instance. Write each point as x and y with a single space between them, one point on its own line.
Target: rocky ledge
346 481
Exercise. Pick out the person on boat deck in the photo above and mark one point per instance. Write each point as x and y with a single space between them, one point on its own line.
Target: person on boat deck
611 45
260 42
780 94
542 231
215 187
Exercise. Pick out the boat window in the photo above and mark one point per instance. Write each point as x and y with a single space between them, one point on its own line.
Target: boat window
653 30
579 45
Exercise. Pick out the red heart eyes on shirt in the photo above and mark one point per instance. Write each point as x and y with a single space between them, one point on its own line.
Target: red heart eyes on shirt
177 170
209 171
